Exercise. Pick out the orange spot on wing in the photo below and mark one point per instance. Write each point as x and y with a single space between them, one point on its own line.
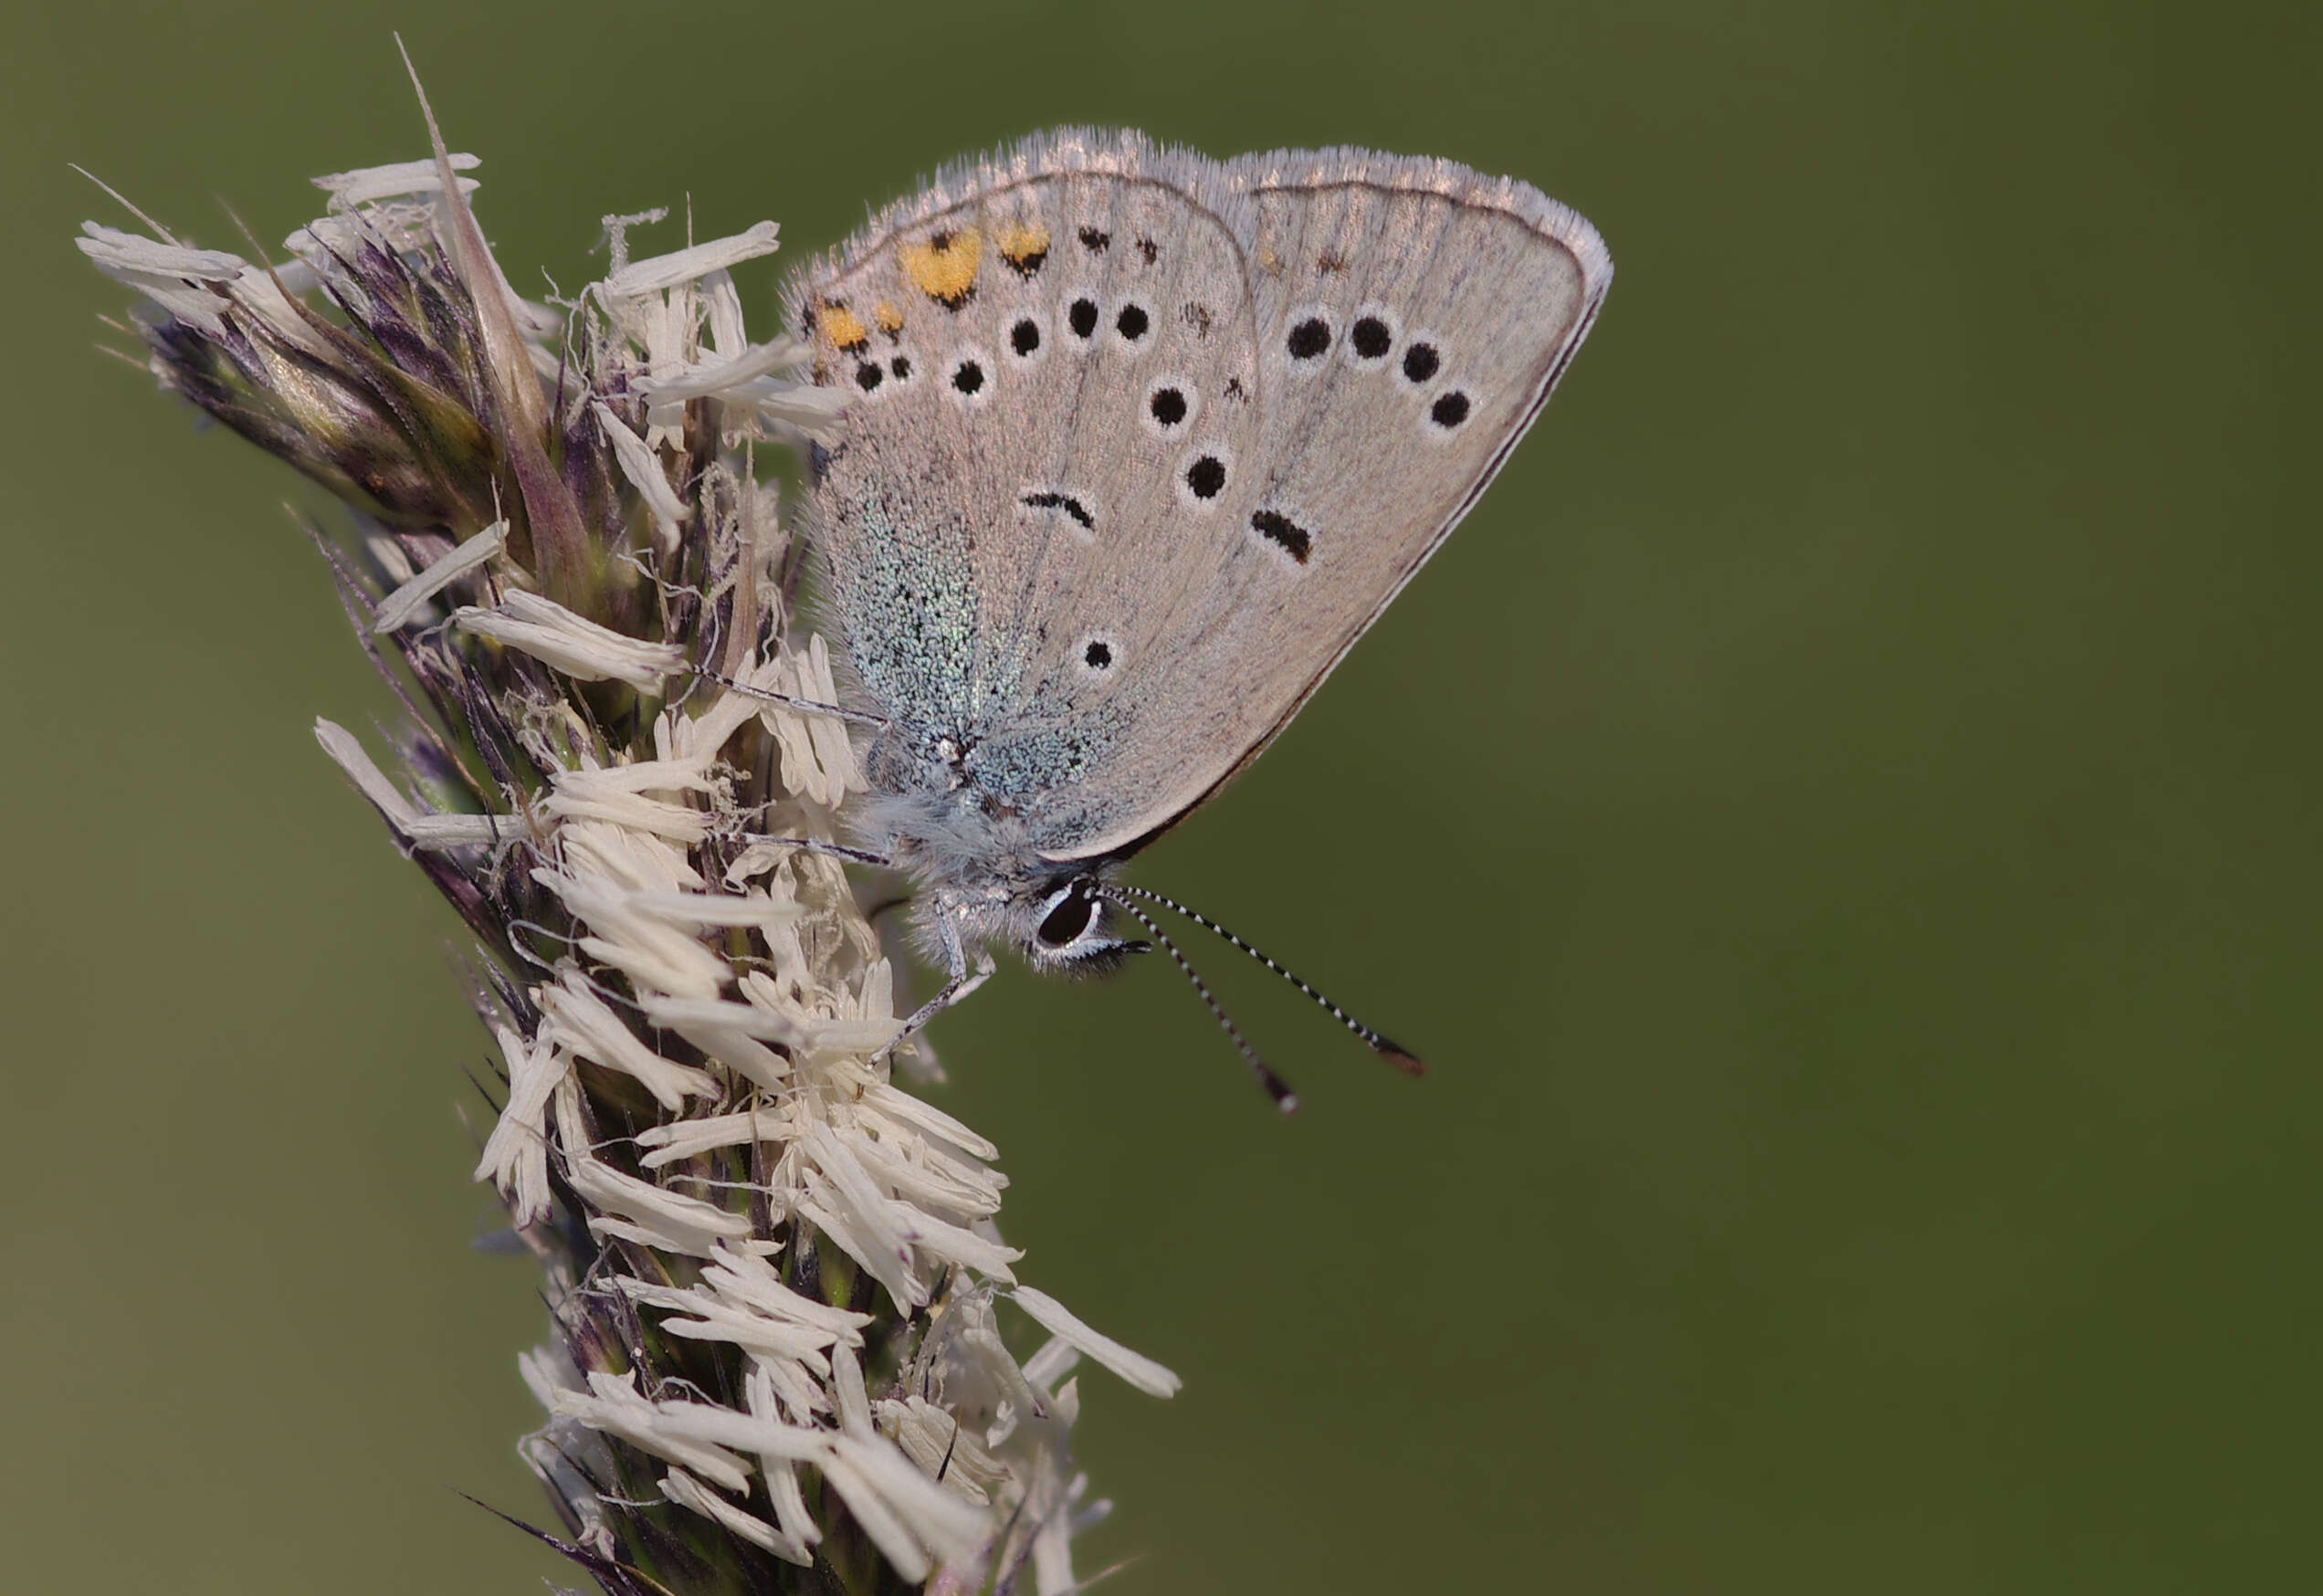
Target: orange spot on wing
1023 245
842 327
944 268
889 318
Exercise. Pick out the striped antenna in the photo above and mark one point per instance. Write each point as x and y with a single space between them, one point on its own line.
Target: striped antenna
1275 1086
1401 1058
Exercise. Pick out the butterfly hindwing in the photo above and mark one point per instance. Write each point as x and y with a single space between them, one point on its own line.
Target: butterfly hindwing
1166 436
1004 569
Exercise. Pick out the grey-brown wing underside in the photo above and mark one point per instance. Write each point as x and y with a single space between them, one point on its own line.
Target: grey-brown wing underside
1119 550
1005 569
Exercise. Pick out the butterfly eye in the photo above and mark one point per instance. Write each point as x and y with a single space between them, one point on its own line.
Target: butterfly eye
1070 914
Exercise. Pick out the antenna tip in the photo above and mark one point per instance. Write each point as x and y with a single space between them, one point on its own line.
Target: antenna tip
1287 1102
1408 1063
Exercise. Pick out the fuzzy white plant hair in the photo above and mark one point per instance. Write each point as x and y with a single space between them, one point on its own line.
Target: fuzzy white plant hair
774 1274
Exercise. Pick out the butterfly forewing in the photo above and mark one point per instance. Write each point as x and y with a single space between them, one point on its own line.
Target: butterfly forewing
1411 319
1142 443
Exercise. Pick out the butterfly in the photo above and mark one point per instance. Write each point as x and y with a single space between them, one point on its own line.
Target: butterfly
1138 444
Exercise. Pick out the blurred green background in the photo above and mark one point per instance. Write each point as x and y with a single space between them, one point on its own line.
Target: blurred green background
1841 817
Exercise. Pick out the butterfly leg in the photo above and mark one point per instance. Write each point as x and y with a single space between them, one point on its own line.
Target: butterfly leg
961 980
810 845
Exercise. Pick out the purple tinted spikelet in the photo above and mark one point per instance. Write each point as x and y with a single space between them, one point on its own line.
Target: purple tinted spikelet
772 1273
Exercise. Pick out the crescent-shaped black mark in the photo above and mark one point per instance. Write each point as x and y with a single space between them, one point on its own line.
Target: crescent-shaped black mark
1064 502
1279 529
